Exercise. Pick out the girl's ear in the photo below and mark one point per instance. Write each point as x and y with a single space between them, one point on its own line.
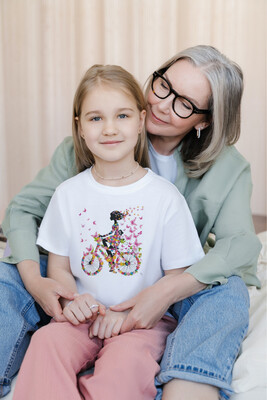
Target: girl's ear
79 127
142 120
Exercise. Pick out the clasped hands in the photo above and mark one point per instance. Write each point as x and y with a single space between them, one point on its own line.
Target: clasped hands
105 323
142 311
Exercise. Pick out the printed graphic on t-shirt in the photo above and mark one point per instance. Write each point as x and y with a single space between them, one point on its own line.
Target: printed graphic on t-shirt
121 248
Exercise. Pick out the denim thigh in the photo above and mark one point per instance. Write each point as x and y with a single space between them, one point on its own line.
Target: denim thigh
211 327
20 317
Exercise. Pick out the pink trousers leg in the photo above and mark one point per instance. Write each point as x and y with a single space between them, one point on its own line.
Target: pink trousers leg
127 364
56 355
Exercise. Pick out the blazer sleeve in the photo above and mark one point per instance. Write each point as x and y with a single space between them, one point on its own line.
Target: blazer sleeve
25 212
236 248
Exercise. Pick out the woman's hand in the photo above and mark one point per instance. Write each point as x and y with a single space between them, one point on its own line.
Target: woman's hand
45 291
145 310
149 306
108 325
83 308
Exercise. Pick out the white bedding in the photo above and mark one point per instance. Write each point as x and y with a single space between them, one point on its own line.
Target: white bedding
250 370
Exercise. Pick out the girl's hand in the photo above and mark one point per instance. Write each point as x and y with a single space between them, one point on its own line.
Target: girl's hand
82 309
108 325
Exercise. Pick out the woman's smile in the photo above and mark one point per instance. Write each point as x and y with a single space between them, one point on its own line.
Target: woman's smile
155 118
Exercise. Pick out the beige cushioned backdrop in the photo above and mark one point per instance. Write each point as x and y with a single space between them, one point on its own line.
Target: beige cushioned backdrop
46 45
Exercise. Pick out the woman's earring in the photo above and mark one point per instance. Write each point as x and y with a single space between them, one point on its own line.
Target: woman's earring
198 133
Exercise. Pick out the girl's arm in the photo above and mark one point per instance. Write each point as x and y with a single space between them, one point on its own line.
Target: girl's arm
149 306
79 310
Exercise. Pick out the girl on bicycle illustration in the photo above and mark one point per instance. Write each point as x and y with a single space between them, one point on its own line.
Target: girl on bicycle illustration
153 235
127 263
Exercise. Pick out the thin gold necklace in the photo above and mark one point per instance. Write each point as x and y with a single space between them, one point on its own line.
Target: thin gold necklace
119 178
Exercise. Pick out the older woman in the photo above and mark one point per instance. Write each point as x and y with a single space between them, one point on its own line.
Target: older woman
193 120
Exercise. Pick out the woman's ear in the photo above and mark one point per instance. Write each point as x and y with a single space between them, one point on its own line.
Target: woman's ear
202 125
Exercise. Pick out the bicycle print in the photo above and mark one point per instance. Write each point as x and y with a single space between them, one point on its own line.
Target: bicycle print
122 252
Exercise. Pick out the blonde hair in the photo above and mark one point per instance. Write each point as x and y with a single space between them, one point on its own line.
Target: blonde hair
226 82
115 77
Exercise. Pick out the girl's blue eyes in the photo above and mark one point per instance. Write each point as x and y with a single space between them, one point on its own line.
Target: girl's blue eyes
120 116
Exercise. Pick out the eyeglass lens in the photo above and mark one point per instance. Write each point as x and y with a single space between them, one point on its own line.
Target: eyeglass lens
162 89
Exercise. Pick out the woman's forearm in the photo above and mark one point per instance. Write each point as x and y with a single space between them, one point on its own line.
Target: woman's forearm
175 288
45 291
29 270
149 306
59 269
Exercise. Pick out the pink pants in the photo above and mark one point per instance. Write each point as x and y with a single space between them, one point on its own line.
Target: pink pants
125 365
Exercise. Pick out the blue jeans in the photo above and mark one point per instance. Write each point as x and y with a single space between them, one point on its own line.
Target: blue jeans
203 348
211 327
20 316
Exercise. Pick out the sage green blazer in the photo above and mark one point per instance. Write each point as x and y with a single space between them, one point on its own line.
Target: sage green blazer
219 202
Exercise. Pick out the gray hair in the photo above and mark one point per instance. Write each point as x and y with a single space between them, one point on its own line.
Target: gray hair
226 82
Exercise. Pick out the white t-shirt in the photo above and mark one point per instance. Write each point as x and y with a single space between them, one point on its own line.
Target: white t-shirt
162 165
119 239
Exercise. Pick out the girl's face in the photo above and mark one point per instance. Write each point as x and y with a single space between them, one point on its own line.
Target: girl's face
110 123
189 82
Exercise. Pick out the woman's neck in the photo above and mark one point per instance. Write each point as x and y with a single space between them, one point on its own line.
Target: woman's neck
164 145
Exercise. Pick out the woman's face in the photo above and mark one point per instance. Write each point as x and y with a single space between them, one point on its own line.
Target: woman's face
189 82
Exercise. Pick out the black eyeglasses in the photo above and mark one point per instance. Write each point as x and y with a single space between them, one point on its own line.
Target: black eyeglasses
182 107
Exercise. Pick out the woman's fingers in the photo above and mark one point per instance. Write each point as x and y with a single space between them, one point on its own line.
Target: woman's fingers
125 305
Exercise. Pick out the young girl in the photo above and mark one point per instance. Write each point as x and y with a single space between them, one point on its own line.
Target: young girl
111 231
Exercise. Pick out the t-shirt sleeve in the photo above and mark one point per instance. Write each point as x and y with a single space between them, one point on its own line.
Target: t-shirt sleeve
54 232
181 246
